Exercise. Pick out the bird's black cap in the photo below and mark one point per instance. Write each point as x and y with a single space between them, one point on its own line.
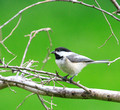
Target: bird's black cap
62 49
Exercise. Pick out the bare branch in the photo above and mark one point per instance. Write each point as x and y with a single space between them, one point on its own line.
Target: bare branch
24 100
0 42
42 102
6 48
51 74
25 80
50 102
13 29
1 71
75 83
20 12
32 35
28 65
3 62
35 75
60 83
11 60
116 5
10 88
48 73
48 54
113 60
109 26
26 51
73 93
106 41
28 69
73 1
0 35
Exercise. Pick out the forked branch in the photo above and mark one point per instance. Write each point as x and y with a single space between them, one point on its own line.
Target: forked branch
117 6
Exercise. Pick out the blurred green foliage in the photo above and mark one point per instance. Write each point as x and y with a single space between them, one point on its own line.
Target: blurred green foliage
79 28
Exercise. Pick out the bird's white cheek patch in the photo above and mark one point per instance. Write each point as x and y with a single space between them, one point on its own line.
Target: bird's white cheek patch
64 53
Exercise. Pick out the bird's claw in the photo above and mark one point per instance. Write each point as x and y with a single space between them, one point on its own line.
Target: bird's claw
64 78
71 80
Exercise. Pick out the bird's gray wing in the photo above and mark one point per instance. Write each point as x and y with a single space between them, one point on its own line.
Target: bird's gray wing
76 58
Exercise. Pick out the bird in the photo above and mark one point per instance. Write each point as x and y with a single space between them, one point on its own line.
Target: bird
72 63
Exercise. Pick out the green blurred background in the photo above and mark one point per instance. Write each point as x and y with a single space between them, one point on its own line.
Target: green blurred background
79 28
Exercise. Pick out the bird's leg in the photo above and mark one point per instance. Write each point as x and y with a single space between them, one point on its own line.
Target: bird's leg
71 79
65 77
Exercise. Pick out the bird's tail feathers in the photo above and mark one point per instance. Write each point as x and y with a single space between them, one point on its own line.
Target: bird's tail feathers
100 61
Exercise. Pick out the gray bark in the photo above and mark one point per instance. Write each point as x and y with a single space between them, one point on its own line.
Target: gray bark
73 93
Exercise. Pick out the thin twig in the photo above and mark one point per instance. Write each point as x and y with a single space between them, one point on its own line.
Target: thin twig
50 102
35 75
79 2
106 41
32 35
11 60
60 84
109 26
28 66
24 100
25 51
7 48
30 39
13 29
48 54
10 88
2 42
3 62
2 71
42 102
21 11
117 6
113 60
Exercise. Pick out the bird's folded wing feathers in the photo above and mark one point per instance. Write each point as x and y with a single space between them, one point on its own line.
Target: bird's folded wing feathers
76 58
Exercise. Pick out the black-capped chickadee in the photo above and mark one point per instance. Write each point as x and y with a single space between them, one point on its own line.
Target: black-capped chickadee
72 63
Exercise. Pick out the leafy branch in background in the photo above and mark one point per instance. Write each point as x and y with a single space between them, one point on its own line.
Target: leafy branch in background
24 74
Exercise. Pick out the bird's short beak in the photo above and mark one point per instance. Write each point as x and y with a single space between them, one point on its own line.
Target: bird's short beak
53 52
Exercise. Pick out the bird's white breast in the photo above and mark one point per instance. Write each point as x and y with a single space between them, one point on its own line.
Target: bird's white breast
68 67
